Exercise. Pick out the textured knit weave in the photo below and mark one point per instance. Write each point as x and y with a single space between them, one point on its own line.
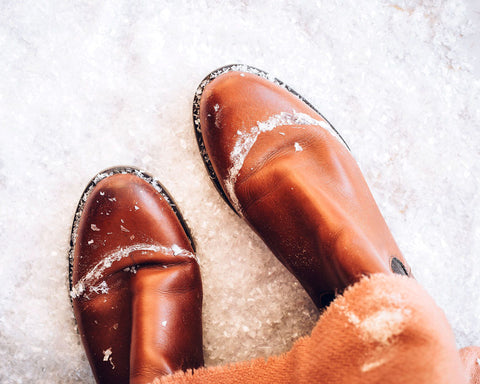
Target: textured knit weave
384 329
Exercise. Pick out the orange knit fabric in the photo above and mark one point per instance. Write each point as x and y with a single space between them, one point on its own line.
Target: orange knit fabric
384 329
471 361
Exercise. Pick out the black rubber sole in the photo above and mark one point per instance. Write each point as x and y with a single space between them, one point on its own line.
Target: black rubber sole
196 114
91 185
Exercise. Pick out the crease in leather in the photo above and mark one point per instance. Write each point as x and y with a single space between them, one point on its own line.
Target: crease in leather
285 147
247 140
122 259
321 203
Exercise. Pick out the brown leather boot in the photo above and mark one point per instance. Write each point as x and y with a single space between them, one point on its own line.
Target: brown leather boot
279 163
134 280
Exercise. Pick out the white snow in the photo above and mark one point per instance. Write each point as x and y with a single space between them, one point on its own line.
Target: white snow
99 289
107 353
375 364
176 249
107 356
89 85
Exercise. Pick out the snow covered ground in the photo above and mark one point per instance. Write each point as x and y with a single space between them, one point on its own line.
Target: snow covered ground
86 85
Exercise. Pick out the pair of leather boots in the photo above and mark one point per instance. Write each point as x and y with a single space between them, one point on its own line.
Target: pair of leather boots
135 280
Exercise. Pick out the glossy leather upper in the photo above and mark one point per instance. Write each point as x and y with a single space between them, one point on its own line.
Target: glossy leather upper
295 183
136 284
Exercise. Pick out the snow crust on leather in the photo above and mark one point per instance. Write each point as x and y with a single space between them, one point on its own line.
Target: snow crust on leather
89 283
246 140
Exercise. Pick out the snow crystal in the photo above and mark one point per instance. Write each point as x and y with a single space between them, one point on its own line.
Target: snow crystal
101 288
106 354
383 325
132 269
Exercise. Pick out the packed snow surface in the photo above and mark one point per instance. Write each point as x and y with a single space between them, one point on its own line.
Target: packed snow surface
86 85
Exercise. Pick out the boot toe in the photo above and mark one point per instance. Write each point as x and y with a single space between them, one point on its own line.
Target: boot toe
128 235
